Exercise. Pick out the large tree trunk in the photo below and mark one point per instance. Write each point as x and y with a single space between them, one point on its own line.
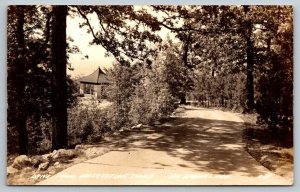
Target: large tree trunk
59 83
250 85
187 42
250 62
20 83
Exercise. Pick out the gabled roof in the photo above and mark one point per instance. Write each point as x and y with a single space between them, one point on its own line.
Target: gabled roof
97 77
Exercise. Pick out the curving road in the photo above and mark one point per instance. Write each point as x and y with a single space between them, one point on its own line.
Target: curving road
197 147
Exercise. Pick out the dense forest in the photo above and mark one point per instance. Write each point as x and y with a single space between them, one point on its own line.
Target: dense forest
233 57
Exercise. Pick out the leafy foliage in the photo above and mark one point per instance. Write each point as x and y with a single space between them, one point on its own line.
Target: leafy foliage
228 56
177 75
36 66
86 124
139 94
226 91
152 99
119 92
246 49
275 83
124 31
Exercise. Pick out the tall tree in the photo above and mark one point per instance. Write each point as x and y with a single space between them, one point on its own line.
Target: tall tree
188 22
35 54
178 75
59 81
124 41
274 50
18 81
250 58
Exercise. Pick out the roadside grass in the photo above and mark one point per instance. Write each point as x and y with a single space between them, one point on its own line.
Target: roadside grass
273 150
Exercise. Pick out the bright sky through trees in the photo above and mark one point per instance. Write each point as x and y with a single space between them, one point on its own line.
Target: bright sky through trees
83 66
96 54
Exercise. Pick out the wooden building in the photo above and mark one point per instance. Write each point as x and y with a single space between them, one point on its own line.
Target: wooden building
94 84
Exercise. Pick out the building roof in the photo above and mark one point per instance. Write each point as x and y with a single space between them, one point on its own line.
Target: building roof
97 77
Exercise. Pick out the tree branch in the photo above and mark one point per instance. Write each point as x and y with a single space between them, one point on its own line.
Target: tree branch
88 22
47 30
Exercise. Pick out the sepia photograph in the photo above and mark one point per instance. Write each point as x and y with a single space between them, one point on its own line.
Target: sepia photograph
177 95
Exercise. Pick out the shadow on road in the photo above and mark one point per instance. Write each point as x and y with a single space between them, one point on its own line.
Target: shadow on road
213 146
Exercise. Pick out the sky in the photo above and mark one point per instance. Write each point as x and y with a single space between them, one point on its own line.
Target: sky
84 66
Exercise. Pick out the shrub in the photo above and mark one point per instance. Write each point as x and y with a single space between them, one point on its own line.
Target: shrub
119 92
152 99
86 124
139 94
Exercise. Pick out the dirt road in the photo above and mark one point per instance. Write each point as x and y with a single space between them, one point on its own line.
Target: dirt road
200 147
